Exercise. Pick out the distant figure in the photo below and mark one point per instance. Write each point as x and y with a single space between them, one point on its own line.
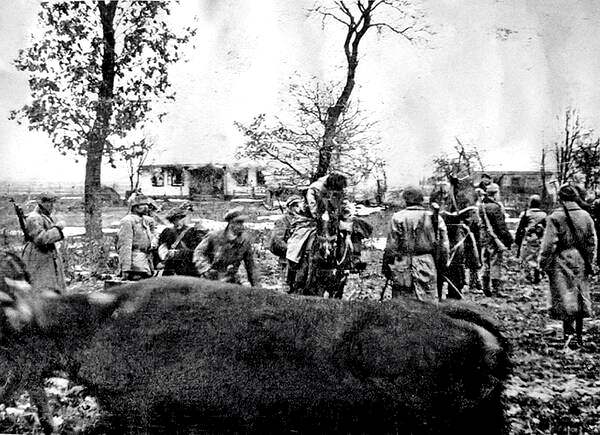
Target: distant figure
219 255
495 239
409 256
135 241
528 238
43 261
282 231
176 244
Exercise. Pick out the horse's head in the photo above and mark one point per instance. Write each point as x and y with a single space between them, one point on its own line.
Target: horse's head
462 192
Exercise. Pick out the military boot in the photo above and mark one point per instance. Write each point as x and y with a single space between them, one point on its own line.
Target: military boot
486 285
474 282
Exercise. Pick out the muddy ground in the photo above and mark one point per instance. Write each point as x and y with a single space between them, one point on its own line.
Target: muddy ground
552 390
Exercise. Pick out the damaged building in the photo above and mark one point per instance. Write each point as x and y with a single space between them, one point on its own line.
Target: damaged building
203 180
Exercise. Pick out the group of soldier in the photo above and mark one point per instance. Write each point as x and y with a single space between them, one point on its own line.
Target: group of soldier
563 245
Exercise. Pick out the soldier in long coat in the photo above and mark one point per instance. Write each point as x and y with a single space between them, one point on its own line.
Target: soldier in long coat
528 238
495 240
43 261
410 252
564 256
135 241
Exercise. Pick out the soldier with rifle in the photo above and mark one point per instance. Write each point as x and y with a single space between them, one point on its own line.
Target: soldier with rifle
495 240
42 258
567 256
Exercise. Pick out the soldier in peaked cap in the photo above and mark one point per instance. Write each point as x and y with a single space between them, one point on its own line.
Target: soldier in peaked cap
408 259
219 255
40 253
176 244
495 239
282 230
136 240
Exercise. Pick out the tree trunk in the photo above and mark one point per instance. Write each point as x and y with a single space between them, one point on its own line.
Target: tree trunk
354 35
333 116
100 129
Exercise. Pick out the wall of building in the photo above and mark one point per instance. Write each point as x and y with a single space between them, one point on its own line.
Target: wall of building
167 189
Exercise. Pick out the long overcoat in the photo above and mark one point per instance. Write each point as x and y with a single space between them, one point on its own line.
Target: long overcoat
41 256
569 289
134 243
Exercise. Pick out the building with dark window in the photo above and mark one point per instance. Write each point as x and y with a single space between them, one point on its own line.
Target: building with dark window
225 180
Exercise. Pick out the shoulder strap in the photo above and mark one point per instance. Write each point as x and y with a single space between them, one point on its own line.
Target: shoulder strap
180 237
576 240
490 229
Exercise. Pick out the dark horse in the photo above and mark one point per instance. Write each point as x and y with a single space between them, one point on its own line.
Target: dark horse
459 211
331 252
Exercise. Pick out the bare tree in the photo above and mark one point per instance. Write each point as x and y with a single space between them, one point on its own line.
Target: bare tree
135 156
564 150
359 17
464 161
290 144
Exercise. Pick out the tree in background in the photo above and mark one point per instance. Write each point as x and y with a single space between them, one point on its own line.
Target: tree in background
135 155
98 70
574 135
359 18
464 161
586 159
289 145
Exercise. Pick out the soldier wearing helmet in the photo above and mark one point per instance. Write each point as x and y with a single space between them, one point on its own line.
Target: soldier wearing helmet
135 241
495 239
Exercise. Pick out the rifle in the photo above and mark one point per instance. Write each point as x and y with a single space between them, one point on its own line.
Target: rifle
439 262
577 241
21 218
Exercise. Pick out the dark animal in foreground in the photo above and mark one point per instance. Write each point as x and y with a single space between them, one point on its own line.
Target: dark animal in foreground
193 356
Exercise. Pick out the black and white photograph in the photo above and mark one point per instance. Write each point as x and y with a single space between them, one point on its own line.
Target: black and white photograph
299 217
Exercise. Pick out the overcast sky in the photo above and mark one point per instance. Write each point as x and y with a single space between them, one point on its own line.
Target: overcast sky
499 89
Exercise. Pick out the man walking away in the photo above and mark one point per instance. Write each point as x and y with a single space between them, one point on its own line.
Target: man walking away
43 261
567 255
408 259
495 240
528 238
